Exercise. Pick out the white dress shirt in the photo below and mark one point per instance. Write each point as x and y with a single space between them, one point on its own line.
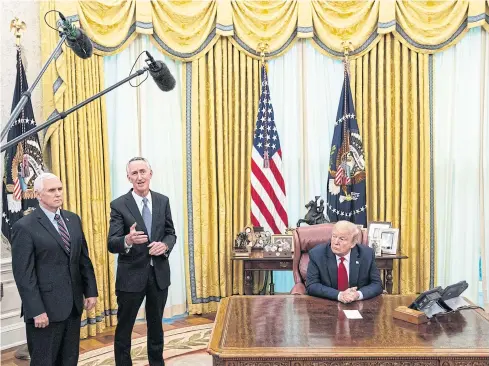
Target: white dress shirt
346 262
140 204
51 216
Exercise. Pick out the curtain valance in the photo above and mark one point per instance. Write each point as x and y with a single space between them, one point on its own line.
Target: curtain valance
185 30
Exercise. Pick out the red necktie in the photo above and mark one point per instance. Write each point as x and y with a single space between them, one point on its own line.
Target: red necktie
342 276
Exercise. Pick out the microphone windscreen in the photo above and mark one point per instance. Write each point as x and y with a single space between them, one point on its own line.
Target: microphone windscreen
162 76
81 44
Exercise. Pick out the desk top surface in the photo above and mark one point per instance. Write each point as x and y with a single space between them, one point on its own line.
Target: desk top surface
291 325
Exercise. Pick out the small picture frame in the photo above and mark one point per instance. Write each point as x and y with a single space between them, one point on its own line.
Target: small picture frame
375 227
389 240
279 246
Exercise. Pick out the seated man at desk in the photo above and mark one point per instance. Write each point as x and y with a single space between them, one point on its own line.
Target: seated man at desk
342 270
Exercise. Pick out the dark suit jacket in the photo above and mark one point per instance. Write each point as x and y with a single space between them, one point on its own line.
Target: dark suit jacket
322 272
133 267
48 278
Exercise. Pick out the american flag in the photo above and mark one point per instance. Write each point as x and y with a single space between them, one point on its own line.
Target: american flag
341 177
267 182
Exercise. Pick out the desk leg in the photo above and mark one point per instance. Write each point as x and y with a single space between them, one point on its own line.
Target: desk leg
389 280
232 278
248 282
272 285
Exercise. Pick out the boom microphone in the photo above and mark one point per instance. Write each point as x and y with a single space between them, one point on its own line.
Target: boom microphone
160 73
76 39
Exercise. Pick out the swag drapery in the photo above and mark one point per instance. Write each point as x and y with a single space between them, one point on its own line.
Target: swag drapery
198 33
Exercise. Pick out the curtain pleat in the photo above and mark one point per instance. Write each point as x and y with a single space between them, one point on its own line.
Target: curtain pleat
79 156
223 96
393 115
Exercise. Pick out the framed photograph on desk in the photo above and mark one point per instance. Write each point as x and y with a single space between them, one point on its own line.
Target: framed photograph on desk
375 227
280 246
389 239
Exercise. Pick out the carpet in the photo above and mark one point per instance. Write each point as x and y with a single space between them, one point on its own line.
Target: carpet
183 347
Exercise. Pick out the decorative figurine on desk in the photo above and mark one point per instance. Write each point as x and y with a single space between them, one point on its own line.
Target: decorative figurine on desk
243 243
315 215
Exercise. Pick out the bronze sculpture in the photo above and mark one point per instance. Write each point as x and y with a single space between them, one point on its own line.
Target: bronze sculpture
315 215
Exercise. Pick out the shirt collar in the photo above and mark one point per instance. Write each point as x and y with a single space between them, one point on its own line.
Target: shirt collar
347 257
50 214
139 199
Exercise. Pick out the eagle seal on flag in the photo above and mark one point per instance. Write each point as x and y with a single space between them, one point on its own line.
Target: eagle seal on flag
350 167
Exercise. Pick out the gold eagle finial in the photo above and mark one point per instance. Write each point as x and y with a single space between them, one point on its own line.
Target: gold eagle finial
17 27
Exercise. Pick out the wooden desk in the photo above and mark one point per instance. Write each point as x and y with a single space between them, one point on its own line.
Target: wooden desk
385 263
293 330
251 265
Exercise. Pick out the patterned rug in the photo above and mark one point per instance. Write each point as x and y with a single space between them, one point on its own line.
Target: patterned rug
185 346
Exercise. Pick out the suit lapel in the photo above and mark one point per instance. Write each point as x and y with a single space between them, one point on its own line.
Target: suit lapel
155 211
354 267
48 225
332 266
134 209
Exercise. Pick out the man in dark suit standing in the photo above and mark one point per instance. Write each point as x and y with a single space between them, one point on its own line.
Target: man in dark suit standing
142 233
342 270
54 275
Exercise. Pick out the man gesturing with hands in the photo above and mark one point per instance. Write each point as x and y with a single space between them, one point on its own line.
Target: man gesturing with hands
142 233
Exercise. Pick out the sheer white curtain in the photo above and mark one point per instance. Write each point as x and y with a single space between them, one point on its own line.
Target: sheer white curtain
147 122
284 81
305 88
485 164
461 141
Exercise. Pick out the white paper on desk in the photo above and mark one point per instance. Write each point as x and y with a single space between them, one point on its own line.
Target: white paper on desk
353 314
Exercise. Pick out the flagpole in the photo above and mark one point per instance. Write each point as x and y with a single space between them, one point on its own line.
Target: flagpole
63 115
27 94
262 47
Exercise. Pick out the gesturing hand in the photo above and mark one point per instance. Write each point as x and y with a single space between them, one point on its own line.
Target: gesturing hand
157 248
136 237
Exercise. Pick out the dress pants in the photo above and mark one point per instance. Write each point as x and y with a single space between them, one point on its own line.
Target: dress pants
58 344
129 304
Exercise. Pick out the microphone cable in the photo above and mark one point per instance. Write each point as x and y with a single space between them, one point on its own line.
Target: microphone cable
132 68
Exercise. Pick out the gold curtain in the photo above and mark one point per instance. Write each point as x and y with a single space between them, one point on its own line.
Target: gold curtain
221 95
186 30
78 149
390 85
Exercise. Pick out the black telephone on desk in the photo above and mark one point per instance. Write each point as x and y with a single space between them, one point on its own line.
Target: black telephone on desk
437 300
427 299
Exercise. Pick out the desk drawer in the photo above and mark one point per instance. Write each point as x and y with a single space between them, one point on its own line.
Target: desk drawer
268 265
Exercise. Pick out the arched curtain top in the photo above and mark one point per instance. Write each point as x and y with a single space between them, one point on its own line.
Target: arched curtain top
186 29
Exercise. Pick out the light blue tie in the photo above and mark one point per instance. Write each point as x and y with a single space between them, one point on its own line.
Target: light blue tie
147 217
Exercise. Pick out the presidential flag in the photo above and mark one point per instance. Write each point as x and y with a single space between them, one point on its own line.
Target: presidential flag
346 178
267 182
22 162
